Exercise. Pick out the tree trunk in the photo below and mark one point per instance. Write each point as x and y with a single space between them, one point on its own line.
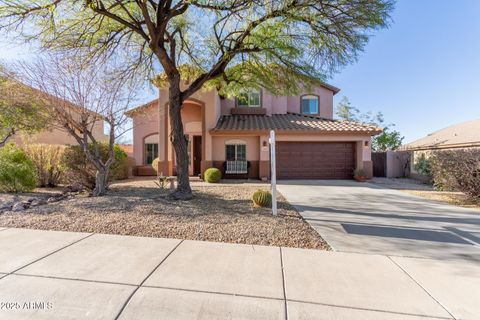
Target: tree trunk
179 142
4 140
101 182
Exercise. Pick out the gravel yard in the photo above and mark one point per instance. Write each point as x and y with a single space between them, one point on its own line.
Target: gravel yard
455 198
427 191
219 212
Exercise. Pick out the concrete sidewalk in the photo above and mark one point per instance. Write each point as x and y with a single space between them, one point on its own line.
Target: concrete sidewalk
65 275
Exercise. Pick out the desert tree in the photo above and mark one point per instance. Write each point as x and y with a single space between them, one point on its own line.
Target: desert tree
80 97
280 45
389 139
21 112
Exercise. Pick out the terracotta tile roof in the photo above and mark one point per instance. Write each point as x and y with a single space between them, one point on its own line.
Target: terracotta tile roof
290 122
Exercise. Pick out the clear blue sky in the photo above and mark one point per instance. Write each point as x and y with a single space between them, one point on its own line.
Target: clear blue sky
423 72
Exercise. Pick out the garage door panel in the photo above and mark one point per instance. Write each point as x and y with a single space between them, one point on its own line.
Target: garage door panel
315 160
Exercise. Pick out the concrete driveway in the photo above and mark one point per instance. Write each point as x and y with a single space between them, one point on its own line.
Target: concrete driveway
368 218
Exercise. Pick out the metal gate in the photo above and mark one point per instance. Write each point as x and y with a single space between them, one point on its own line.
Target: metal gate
379 160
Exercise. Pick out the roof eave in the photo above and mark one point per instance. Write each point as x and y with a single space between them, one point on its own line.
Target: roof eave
444 146
334 89
291 131
132 112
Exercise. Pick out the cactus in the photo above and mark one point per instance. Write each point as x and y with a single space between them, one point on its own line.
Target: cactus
262 198
155 165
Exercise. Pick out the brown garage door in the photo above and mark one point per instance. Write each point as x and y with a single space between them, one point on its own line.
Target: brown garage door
315 160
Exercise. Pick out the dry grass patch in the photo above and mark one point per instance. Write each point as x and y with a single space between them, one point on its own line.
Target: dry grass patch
455 198
222 213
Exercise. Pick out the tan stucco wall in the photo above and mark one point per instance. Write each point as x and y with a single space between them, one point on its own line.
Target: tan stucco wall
252 142
54 135
396 163
145 123
208 104
283 104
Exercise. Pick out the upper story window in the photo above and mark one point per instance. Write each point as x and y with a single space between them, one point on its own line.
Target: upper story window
249 99
309 104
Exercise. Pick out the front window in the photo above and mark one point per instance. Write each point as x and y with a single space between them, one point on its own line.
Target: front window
236 152
151 152
249 99
310 104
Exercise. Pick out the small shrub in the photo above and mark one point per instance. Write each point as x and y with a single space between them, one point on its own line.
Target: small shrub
162 181
17 171
155 165
422 165
457 170
48 163
212 175
262 198
121 165
360 175
79 171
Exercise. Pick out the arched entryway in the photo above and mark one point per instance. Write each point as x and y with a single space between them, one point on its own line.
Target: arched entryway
193 119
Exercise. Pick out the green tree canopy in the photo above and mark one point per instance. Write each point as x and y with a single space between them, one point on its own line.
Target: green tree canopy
389 139
21 110
273 44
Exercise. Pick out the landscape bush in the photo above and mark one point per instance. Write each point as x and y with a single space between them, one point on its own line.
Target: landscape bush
47 159
212 175
80 172
457 170
17 171
422 165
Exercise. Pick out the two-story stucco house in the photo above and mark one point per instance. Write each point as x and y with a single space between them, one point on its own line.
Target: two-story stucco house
232 135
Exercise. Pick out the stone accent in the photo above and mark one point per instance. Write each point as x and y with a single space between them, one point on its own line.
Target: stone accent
18 205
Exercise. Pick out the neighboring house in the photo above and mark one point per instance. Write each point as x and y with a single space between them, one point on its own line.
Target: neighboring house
55 134
458 136
462 135
232 135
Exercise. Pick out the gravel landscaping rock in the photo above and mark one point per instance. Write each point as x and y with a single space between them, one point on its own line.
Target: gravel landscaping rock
455 198
20 206
220 212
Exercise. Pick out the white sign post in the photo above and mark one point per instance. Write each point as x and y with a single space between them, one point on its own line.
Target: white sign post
273 172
